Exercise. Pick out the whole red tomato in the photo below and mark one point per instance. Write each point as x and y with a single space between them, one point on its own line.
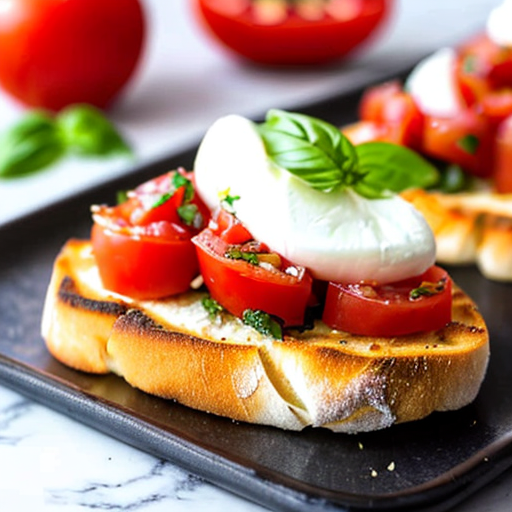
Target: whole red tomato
58 52
288 32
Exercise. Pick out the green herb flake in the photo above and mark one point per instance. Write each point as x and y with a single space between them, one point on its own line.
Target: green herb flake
470 64
235 253
178 180
162 200
263 323
427 289
213 308
121 196
228 201
189 214
469 143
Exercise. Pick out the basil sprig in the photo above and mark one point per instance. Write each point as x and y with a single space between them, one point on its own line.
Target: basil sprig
40 139
319 154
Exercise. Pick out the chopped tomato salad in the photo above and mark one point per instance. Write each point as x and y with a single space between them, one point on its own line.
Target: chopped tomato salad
471 135
161 236
422 303
143 246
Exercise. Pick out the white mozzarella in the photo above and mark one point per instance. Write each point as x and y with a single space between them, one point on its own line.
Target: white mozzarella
432 84
499 24
339 236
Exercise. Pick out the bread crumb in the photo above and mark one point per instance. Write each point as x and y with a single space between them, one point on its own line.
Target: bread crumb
374 473
391 466
360 445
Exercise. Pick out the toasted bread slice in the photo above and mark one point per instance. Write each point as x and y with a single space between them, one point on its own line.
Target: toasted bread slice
319 377
470 228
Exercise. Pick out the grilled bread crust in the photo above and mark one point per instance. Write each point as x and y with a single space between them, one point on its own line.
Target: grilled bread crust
318 377
470 228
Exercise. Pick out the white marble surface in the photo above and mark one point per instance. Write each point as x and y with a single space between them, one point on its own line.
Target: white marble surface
51 463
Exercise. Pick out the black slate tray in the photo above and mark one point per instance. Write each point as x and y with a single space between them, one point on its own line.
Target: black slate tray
428 465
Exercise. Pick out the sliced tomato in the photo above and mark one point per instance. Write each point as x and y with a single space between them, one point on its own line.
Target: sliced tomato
389 310
287 32
143 247
483 66
503 162
496 106
230 229
395 111
239 285
364 131
466 140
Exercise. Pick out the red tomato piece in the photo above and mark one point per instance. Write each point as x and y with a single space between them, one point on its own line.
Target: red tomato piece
482 66
284 33
230 229
238 285
396 111
503 163
388 310
466 139
153 258
364 131
371 107
60 52
497 105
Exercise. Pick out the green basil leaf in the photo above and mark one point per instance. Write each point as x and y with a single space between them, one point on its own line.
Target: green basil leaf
313 150
263 323
178 180
188 213
469 143
213 308
87 131
389 168
31 144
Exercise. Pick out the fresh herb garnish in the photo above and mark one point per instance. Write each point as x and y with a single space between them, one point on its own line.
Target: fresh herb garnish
212 307
319 154
427 289
227 201
469 64
40 139
235 253
121 196
469 143
263 323
162 199
189 214
178 180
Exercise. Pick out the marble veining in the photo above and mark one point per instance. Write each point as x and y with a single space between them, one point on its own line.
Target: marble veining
51 463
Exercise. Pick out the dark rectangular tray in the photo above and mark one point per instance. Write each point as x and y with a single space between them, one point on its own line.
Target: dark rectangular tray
437 462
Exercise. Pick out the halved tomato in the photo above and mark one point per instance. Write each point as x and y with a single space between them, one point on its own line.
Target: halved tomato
417 304
400 119
143 246
241 277
287 32
466 140
503 162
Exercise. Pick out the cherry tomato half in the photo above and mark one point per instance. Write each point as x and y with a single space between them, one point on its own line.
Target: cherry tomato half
389 310
395 111
59 52
482 66
503 163
466 139
143 249
284 32
238 285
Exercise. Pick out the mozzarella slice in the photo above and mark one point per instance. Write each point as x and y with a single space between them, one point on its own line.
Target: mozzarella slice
338 236
499 24
432 84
